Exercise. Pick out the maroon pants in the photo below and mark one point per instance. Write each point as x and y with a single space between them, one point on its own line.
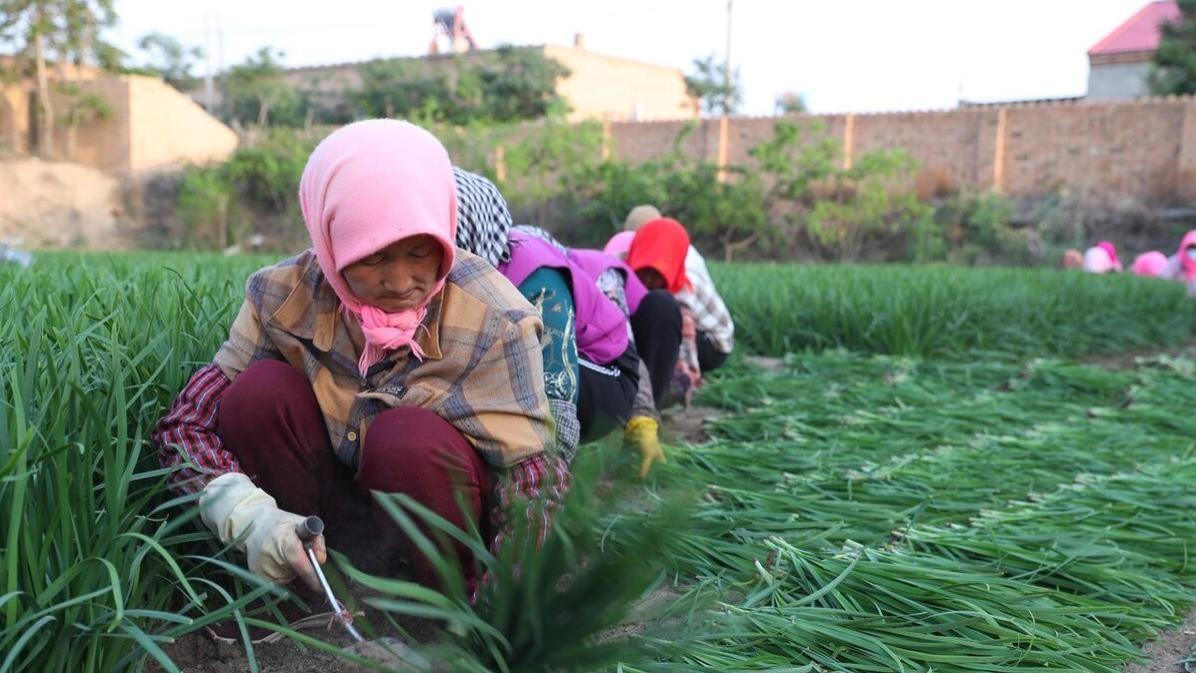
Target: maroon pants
270 420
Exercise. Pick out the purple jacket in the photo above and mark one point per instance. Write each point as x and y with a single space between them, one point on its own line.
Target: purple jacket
601 326
596 263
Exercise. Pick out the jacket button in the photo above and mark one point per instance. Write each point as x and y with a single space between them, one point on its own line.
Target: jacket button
352 436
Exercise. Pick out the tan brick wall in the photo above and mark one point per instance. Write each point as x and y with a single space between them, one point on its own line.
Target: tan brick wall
1115 150
169 129
14 119
611 88
99 143
1132 151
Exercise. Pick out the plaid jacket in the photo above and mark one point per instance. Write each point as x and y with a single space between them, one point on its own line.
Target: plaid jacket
710 313
482 373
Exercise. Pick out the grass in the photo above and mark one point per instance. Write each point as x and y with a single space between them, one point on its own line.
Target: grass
95 574
938 311
916 508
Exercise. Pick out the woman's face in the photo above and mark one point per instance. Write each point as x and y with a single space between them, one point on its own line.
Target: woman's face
399 276
651 278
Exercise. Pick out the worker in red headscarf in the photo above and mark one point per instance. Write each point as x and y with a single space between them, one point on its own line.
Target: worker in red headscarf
663 259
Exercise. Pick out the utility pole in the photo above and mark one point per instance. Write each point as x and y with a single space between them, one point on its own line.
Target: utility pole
209 85
724 123
727 61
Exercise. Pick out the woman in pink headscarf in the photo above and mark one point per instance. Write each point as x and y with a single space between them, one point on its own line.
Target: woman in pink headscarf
1101 258
1151 264
381 359
1182 265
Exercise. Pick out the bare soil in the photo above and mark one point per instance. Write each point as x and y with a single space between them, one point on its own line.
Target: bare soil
1166 653
1129 359
201 653
48 204
688 424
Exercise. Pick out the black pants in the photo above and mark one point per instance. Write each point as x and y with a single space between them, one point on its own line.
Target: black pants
605 399
657 328
710 357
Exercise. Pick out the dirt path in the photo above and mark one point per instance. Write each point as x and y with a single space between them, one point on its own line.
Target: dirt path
61 205
1129 359
1167 653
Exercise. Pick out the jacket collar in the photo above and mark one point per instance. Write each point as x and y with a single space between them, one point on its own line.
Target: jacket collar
310 312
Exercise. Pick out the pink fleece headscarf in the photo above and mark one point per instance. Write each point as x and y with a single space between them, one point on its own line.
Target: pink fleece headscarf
1189 264
1108 247
619 244
1149 264
366 186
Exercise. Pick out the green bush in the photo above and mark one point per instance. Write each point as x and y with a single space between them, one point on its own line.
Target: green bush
975 229
504 85
204 199
254 192
726 215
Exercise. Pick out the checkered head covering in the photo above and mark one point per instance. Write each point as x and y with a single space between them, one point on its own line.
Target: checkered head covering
483 219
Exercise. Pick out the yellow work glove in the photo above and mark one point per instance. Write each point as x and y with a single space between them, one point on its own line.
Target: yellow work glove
233 508
641 433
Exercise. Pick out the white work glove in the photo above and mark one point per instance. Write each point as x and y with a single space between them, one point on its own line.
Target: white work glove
230 505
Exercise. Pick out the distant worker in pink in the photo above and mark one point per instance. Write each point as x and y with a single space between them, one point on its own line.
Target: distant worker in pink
1182 265
1102 258
1151 264
1072 259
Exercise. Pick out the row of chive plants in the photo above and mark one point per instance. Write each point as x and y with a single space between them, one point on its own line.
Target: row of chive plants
841 514
889 514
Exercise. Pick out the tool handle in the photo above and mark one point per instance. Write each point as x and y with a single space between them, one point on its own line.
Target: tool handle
309 529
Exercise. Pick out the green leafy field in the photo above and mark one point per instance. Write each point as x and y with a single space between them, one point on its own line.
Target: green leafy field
946 495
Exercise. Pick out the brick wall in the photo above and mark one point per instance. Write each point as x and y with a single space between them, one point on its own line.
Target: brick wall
99 143
13 128
1111 152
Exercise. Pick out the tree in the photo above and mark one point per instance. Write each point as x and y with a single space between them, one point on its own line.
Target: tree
507 84
170 60
708 84
59 31
1175 60
791 103
520 84
80 107
258 86
837 207
403 88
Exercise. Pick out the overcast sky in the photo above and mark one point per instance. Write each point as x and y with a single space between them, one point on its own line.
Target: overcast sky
844 56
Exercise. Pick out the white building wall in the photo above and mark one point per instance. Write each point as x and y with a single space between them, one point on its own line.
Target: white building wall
1118 81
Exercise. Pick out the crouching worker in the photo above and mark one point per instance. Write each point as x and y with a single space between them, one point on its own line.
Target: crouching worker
381 359
663 259
1182 265
591 366
654 325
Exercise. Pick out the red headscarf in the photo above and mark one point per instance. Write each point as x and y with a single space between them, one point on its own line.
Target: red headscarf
661 245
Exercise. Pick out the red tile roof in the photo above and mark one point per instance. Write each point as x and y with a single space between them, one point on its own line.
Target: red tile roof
1140 33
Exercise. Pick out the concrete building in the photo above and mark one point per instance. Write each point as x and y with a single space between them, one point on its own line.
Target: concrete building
148 125
1120 64
600 87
